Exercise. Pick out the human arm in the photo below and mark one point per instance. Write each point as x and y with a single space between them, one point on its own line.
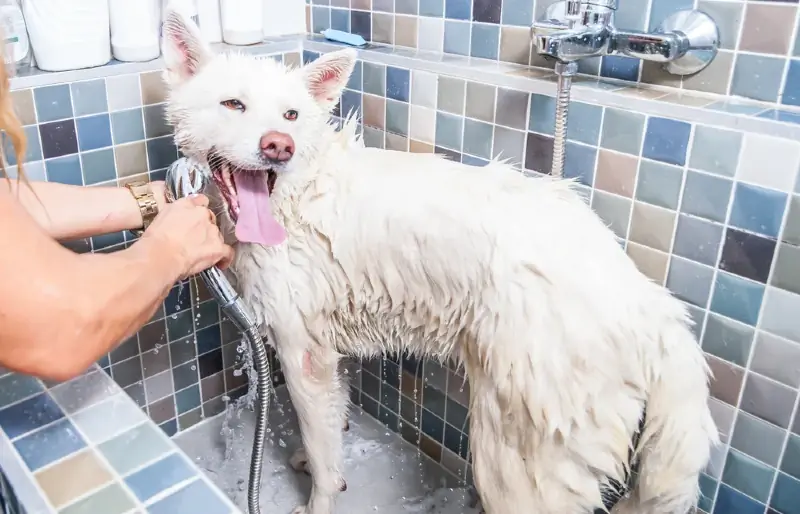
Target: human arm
90 302
71 212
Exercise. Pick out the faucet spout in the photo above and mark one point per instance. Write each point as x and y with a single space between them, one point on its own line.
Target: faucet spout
648 46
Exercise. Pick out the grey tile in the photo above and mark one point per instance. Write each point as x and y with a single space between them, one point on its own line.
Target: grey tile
512 108
373 138
14 387
786 272
698 239
84 391
127 126
127 372
509 144
728 339
758 438
757 76
706 196
481 101
477 138
108 419
451 95
659 184
542 114
777 358
374 79
706 154
791 233
615 211
723 416
150 444
767 400
155 122
158 386
623 131
779 314
89 97
123 92
727 380
155 362
791 458
53 102
689 281
424 88
397 117
449 131
728 16
98 166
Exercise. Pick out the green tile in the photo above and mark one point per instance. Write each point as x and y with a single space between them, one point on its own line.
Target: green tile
147 442
747 475
110 500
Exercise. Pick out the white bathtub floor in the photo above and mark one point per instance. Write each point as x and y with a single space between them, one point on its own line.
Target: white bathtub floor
384 473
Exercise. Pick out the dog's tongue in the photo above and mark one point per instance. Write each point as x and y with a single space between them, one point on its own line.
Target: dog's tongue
255 223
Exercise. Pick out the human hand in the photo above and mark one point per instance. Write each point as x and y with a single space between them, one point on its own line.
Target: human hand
159 189
187 228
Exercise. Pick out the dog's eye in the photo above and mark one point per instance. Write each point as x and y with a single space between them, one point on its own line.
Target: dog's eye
291 115
233 104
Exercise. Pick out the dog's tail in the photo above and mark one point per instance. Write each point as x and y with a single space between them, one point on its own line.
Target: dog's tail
678 431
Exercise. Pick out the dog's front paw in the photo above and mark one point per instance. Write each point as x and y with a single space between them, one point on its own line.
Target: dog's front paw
302 509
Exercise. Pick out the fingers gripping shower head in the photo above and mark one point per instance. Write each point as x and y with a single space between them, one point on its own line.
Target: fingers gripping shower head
185 177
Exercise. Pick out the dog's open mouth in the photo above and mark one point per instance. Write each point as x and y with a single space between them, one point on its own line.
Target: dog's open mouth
247 194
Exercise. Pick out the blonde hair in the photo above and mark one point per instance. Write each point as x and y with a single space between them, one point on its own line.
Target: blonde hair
10 124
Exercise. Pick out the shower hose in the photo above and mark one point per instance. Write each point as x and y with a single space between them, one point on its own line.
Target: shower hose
565 72
185 177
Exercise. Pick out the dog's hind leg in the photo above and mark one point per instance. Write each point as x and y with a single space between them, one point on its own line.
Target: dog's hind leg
320 400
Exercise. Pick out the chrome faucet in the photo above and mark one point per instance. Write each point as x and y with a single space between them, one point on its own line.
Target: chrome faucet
572 30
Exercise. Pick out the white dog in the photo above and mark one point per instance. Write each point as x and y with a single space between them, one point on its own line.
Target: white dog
587 383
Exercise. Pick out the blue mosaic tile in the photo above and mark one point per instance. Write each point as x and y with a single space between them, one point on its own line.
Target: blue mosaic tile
321 19
89 97
477 138
457 9
786 495
340 20
195 497
49 444
757 76
781 115
517 12
65 170
448 130
735 108
208 339
159 476
542 114
485 41
579 163
375 79
432 425
623 131
758 209
433 8
698 240
14 387
584 123
354 82
187 399
730 501
705 150
161 153
708 489
106 241
33 151
791 457
620 67
456 37
791 91
689 281
53 102
397 117
127 126
737 298
98 166
667 140
94 132
351 102
747 475
398 83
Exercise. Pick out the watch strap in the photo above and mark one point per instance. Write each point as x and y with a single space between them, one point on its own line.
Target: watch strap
148 206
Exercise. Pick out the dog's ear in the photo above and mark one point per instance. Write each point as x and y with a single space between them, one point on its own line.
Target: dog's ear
185 52
326 77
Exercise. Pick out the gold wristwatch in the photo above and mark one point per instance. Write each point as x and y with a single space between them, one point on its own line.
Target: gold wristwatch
143 194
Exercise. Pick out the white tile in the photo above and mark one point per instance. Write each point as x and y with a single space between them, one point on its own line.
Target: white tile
769 161
431 34
424 88
123 92
423 124
780 313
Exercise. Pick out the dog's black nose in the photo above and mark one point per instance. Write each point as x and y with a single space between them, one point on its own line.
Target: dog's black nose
277 146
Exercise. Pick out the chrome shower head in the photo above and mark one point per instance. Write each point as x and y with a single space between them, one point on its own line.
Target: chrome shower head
185 177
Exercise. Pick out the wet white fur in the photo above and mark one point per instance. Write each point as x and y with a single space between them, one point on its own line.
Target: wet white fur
561 337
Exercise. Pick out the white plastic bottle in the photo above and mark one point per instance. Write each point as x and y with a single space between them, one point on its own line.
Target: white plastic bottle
186 7
284 17
135 27
210 23
15 33
242 21
68 34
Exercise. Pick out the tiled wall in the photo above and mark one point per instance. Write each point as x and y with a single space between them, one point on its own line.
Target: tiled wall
759 57
180 368
713 214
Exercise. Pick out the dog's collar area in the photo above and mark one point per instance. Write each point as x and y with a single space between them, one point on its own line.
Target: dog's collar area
613 492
